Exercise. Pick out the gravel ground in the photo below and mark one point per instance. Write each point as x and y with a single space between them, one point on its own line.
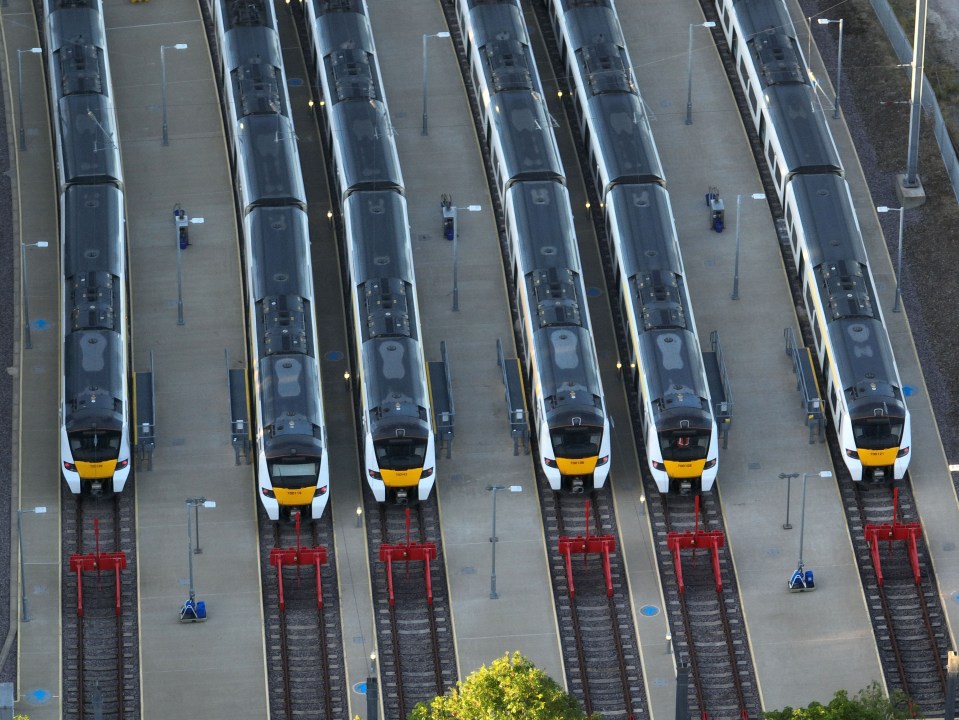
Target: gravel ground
879 132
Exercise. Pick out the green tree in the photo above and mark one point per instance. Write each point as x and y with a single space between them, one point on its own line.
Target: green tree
869 704
511 688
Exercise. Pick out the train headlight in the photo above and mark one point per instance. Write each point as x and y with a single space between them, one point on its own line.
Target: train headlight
375 475
549 462
122 464
710 463
903 452
267 492
69 466
426 473
603 460
657 465
854 454
321 490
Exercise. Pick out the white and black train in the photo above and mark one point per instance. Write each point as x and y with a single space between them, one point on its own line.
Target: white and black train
567 397
864 393
665 359
94 388
397 423
292 465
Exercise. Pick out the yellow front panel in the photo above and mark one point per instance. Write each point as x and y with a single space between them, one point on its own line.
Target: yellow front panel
878 458
401 478
96 470
576 466
691 469
295 497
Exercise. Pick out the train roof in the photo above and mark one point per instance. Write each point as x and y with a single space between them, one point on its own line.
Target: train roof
70 23
92 220
378 227
93 380
672 366
864 359
88 134
764 16
622 131
247 14
364 147
641 221
279 252
290 398
541 212
271 161
805 141
568 375
259 83
395 384
498 23
524 130
823 204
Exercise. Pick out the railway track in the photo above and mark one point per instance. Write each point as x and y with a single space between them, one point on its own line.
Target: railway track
414 637
101 673
598 638
705 614
905 609
305 660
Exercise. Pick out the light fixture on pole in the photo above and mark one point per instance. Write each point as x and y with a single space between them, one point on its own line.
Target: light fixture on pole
802 579
456 288
40 510
23 282
163 49
884 209
493 489
824 21
739 200
788 477
689 86
193 611
426 73
23 135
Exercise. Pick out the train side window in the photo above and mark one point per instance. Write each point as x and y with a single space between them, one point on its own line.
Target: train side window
743 75
734 42
779 176
832 400
817 332
726 21
810 308
762 129
801 269
794 239
752 98
770 155
826 370
789 218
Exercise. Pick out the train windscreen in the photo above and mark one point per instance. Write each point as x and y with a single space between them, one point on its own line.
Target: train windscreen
401 453
294 475
877 433
576 441
684 445
95 445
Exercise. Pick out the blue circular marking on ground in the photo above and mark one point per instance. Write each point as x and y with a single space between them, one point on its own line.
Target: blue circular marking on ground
294 81
593 292
360 688
908 390
40 324
955 596
649 610
333 356
38 697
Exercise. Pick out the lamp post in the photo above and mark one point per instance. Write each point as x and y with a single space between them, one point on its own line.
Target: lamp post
23 135
163 49
739 200
689 87
425 73
40 510
372 691
788 477
456 288
798 581
194 502
26 304
824 21
884 209
493 489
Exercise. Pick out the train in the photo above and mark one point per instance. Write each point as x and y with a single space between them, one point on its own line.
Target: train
95 452
292 463
398 445
568 405
863 391
665 360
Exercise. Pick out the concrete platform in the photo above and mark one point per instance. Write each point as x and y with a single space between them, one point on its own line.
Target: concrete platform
215 669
